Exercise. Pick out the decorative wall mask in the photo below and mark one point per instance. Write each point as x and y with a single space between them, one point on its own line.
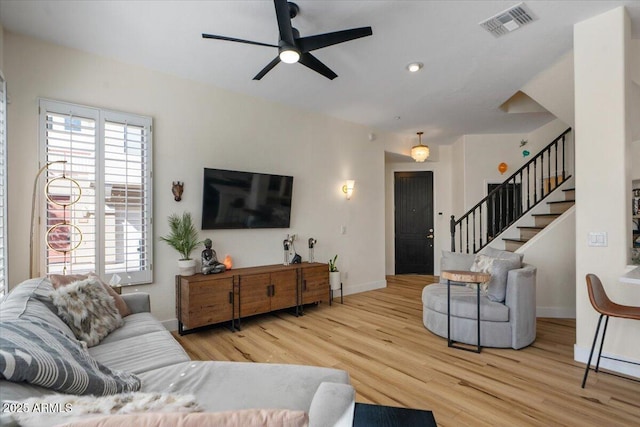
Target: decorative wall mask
177 188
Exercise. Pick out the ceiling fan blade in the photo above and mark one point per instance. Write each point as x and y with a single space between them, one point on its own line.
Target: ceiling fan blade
268 68
231 39
284 21
307 44
314 63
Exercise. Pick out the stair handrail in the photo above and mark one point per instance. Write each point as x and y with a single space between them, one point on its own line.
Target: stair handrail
533 161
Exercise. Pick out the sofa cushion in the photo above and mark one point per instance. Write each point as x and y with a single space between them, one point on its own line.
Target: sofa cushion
463 303
135 325
59 280
455 261
245 418
140 353
243 385
39 354
88 309
31 300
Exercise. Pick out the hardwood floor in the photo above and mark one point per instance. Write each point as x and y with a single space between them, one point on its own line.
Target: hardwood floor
379 338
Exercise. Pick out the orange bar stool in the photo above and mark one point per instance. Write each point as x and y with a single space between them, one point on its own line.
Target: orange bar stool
607 308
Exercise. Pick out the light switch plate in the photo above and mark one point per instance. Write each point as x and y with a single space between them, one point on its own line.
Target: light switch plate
597 239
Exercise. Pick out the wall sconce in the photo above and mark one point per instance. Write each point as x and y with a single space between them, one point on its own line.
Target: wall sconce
347 188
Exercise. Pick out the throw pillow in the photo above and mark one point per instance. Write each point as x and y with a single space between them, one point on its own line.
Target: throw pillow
42 355
482 264
497 253
496 287
86 307
58 280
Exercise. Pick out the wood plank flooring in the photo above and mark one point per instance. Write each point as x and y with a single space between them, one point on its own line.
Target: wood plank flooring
379 338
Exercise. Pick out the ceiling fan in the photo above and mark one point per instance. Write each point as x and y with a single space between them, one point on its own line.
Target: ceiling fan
292 48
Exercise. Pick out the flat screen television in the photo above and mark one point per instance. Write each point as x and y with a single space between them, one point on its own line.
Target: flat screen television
236 199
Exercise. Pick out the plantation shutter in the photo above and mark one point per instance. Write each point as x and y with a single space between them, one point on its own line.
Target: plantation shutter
127 196
108 155
3 188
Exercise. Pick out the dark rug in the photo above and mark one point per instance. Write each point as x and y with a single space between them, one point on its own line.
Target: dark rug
367 415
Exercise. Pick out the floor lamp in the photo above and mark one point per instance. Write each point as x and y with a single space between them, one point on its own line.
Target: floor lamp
33 211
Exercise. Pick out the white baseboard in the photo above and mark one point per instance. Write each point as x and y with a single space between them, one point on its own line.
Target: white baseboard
612 362
556 312
364 287
170 325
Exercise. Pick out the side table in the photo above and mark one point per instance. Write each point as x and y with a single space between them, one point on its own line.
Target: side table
465 277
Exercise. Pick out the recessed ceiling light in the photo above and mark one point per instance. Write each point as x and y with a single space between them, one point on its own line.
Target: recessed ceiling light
415 67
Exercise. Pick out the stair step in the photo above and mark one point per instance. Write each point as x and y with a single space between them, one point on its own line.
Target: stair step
542 220
560 206
529 232
569 193
513 244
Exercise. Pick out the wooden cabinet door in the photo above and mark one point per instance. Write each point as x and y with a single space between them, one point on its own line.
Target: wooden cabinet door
206 302
315 284
254 294
284 288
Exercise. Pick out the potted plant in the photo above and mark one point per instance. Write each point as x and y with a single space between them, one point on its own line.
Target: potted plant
184 239
334 274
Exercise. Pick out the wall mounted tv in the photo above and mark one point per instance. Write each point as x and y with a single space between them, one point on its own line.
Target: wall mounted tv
235 199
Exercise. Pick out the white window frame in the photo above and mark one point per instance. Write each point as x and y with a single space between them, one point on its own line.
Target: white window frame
4 265
132 276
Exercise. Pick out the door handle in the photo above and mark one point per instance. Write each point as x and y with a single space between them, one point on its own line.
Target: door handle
429 236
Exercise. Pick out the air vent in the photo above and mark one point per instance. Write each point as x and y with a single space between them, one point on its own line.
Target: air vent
509 20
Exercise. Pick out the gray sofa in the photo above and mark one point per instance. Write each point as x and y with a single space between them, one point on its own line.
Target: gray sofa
508 323
145 348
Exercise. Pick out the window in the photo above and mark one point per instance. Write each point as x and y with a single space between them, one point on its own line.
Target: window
3 187
97 197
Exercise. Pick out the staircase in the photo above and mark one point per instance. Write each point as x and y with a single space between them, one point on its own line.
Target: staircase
556 209
521 192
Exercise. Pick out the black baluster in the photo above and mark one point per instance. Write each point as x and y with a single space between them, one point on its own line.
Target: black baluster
474 231
535 176
528 188
452 230
555 144
467 222
563 163
481 226
549 169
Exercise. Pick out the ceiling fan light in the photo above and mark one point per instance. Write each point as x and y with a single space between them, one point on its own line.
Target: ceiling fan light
289 56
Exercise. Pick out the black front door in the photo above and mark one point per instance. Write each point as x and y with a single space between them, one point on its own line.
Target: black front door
413 192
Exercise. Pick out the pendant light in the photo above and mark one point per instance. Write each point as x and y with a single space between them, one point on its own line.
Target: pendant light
419 152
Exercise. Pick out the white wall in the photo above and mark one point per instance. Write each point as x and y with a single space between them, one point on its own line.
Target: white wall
197 126
483 154
442 210
603 178
553 89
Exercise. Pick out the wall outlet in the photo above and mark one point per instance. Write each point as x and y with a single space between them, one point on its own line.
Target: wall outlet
343 229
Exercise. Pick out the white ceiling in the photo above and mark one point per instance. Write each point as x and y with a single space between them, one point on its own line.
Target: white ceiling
467 75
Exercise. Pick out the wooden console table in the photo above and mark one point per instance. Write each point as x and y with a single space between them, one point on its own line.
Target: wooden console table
465 277
203 300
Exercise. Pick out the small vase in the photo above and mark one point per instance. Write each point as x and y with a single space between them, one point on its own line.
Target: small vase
187 267
334 279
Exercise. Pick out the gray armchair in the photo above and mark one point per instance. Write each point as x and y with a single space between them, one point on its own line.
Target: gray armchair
508 323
